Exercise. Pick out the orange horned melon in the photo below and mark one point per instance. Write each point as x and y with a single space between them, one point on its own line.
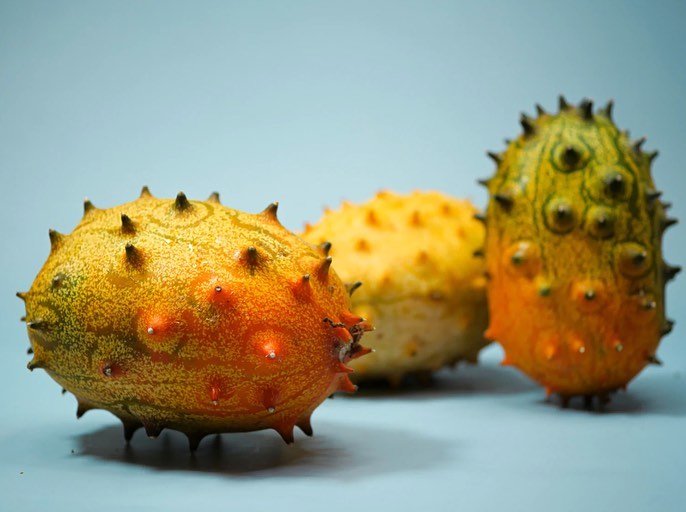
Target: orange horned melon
188 315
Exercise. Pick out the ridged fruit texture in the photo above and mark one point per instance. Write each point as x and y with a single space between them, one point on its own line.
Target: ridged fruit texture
423 290
574 232
192 316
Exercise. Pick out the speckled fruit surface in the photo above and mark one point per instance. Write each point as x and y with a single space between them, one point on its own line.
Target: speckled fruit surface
574 253
189 315
422 286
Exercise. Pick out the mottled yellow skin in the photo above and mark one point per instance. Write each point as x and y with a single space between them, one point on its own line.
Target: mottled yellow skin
423 289
191 330
574 254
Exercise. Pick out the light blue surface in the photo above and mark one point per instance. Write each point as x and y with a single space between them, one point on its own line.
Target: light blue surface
309 103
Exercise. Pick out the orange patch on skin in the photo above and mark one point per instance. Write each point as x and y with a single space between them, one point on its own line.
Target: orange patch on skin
523 259
155 326
550 351
589 295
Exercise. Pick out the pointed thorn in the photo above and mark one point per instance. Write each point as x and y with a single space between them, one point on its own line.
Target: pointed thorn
29 351
652 155
33 364
325 248
483 182
270 211
563 103
671 271
351 319
527 125
342 368
480 217
127 225
351 287
654 360
81 409
607 111
181 202
133 255
38 325
23 295
667 327
286 433
540 110
668 222
55 239
152 430
652 194
638 144
323 270
346 385
305 425
479 253
495 157
214 198
359 351
145 192
586 109
88 207
64 391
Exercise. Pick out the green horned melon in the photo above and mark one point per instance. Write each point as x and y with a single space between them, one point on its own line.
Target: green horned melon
574 253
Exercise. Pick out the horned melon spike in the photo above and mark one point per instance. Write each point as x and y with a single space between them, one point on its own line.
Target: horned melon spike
423 289
187 315
574 232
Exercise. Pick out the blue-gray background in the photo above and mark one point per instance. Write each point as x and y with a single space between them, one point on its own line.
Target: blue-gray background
309 103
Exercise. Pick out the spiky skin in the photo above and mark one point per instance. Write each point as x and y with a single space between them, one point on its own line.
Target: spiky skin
573 246
192 316
423 290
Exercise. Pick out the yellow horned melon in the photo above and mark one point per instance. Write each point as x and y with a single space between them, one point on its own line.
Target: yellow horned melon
423 290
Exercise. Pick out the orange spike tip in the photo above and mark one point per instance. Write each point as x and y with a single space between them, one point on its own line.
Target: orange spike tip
346 385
